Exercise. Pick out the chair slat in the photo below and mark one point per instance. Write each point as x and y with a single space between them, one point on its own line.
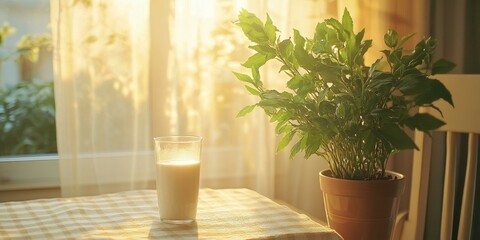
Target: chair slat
448 188
466 214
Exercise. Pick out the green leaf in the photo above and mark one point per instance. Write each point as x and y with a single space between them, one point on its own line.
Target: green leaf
246 110
397 137
270 30
373 68
417 56
285 140
243 77
285 68
252 90
442 91
283 116
436 91
340 111
270 103
404 39
335 24
285 48
442 66
257 59
298 39
365 46
320 47
347 21
304 59
263 49
352 50
413 84
296 148
252 27
386 52
326 107
295 82
320 32
312 144
255 74
391 38
424 122
359 36
273 94
395 57
369 139
283 127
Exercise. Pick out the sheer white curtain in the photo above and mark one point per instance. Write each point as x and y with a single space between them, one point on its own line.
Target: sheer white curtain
115 90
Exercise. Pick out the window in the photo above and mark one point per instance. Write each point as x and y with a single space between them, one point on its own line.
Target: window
27 108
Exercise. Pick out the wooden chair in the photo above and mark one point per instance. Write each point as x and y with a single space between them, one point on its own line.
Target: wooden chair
464 118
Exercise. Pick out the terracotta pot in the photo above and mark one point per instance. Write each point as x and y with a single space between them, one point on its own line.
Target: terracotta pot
362 209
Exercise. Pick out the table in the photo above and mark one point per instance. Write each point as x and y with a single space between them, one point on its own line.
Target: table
222 214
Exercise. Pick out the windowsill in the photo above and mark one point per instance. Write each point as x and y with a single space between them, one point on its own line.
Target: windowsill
30 157
22 172
41 171
29 184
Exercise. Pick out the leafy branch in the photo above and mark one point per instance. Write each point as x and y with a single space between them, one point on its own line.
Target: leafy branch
337 107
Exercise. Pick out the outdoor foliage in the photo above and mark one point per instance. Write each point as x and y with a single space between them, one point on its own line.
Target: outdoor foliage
27 119
27 109
351 114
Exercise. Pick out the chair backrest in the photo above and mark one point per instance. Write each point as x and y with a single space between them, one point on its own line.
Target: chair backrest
464 118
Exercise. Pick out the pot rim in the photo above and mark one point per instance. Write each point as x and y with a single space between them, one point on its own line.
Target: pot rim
349 187
326 173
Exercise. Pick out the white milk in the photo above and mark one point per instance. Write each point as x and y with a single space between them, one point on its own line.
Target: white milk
177 189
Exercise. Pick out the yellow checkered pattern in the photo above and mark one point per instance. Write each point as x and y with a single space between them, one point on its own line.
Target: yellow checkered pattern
222 214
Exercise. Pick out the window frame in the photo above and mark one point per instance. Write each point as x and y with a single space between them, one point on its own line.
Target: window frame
29 171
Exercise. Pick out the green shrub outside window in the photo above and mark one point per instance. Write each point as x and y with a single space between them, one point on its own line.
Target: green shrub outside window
27 119
27 109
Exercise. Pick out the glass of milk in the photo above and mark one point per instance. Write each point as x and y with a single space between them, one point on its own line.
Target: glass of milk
178 174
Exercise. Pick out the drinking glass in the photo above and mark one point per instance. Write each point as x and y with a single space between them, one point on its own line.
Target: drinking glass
178 175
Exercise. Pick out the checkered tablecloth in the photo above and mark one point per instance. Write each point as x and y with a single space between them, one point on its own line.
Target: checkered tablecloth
222 214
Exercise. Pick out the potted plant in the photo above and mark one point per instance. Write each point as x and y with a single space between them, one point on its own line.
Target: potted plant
351 114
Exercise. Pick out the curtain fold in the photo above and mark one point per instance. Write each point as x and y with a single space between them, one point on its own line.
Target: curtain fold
200 95
455 26
102 111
